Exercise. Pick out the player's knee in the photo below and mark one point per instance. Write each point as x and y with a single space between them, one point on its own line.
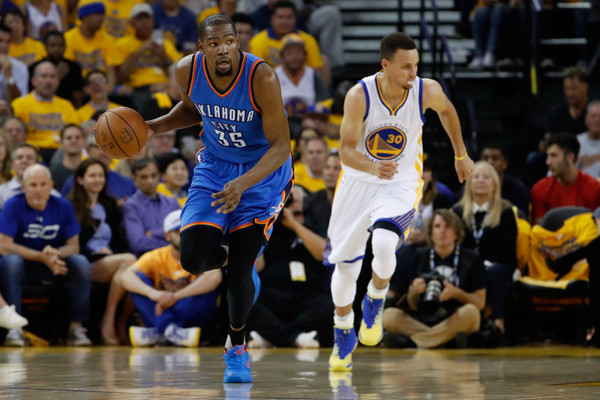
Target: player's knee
196 264
385 243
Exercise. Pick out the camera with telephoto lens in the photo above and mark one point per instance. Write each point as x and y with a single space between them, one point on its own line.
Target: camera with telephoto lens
435 285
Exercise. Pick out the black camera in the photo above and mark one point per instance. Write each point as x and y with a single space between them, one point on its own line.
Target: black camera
435 285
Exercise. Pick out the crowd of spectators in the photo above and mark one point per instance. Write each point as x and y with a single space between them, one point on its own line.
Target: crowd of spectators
70 216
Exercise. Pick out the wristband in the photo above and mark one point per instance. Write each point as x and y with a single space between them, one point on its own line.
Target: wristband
460 158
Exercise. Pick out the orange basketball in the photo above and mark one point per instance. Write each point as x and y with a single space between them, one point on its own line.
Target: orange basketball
121 133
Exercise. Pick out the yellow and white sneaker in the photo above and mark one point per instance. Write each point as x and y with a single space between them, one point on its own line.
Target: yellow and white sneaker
371 326
344 344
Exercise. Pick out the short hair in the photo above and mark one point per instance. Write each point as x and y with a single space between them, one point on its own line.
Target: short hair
19 120
317 138
284 4
214 20
86 81
242 19
567 142
497 146
5 28
62 131
50 34
16 12
395 41
578 72
24 145
591 104
141 164
451 219
168 159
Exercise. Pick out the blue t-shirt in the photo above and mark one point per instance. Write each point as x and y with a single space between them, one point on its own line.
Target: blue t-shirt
35 229
179 29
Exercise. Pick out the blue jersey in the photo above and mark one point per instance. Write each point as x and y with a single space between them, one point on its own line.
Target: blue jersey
35 229
231 120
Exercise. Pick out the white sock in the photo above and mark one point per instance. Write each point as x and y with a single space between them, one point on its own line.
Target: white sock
344 322
229 344
377 293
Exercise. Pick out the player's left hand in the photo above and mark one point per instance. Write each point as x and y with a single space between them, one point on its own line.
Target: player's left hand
229 197
464 168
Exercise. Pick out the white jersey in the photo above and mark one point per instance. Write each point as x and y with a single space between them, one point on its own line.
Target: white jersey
391 134
37 20
297 95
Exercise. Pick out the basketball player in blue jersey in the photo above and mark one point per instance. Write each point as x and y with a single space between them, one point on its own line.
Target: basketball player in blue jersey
244 172
380 185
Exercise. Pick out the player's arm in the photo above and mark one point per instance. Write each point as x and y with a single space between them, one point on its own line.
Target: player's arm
267 94
184 113
435 98
355 107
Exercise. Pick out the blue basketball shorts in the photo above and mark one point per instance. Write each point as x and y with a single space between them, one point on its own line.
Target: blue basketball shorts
260 204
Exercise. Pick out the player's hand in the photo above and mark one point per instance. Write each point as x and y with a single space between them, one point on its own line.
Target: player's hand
229 197
150 130
385 169
464 168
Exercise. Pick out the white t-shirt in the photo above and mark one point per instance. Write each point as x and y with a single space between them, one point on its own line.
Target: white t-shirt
589 147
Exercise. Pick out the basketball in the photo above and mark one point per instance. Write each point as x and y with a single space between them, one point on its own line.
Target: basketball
121 133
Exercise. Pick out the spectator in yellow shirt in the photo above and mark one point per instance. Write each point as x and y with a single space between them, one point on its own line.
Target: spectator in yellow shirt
44 113
309 173
173 168
267 43
87 44
139 61
23 48
117 18
96 86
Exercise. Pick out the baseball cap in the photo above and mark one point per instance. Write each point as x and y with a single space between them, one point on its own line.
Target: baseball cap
318 109
172 221
290 39
141 8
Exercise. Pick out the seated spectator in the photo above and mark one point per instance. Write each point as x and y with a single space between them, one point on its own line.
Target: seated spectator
72 144
301 87
294 307
318 117
568 186
298 145
309 174
431 322
44 16
139 61
172 302
174 173
119 186
23 156
5 158
9 318
162 144
87 44
267 43
491 230
69 72
14 74
96 86
44 113
16 130
101 239
177 23
123 167
589 141
568 116
145 211
244 28
39 234
487 24
23 48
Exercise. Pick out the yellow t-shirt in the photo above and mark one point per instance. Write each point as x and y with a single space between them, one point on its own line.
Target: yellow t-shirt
164 270
207 13
89 53
163 189
86 111
29 51
148 70
44 119
163 100
266 46
304 179
116 21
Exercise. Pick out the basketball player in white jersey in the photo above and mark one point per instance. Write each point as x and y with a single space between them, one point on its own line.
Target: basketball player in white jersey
380 186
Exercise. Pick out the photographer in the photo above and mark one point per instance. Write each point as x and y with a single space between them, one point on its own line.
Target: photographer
448 293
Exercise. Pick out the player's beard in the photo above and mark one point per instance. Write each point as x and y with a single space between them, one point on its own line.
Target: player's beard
224 73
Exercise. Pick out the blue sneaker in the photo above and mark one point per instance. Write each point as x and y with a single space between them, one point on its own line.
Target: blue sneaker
344 344
237 365
371 326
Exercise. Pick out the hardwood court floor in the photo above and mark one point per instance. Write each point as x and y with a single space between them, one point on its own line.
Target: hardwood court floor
124 373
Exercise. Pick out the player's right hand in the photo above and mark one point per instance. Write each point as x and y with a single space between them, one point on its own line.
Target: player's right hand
385 169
